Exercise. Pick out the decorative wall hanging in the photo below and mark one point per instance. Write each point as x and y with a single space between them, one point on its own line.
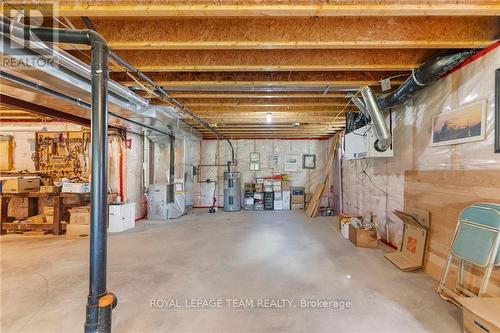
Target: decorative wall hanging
464 124
308 161
291 163
254 161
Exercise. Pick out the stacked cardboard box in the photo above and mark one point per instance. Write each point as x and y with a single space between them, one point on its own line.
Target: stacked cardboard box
48 211
298 197
248 200
68 187
268 200
21 185
79 220
268 185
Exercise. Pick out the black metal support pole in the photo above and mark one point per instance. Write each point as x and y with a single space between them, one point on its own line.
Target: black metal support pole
99 301
99 211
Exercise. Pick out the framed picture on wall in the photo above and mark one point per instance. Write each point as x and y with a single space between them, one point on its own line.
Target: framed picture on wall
254 161
291 162
497 110
308 161
273 161
464 124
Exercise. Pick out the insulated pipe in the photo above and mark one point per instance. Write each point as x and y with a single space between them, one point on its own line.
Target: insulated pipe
381 129
99 301
429 72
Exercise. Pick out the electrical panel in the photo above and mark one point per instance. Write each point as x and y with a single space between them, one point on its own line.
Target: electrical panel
360 144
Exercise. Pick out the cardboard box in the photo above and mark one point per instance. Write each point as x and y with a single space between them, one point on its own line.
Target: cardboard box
77 231
296 206
285 185
48 210
50 189
278 205
76 187
248 201
480 314
79 215
362 237
49 219
411 252
21 185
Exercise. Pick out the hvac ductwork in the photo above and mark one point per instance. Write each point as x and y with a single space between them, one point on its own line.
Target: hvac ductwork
70 78
382 131
428 73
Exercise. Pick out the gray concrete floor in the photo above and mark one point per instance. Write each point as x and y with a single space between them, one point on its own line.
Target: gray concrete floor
252 256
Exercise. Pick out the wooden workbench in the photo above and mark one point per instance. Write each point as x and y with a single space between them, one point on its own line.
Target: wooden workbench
57 203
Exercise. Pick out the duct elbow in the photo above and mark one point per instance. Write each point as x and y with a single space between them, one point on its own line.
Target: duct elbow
382 145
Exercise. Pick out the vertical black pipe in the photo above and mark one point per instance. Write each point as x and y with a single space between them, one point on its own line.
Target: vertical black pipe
99 211
99 301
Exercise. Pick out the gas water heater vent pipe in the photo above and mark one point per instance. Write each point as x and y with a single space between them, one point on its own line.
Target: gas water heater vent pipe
425 75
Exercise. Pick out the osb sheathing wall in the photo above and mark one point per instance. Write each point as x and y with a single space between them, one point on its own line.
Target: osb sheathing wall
413 150
211 150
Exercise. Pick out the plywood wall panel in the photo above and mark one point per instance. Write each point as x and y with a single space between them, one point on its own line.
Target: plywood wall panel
444 193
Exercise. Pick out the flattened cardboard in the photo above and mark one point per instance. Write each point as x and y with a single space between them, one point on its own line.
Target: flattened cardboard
411 252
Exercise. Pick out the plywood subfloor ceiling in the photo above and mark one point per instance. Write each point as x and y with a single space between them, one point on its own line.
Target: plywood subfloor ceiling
238 63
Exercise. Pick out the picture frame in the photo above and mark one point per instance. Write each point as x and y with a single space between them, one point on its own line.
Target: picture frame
466 123
273 162
254 164
497 111
309 161
291 163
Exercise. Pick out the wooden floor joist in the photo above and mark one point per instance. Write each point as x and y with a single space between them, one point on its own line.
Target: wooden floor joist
226 8
297 33
273 60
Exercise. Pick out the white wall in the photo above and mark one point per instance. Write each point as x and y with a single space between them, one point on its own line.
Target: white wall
209 149
412 149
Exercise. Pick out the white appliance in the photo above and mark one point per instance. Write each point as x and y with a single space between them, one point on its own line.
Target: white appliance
159 197
360 144
121 217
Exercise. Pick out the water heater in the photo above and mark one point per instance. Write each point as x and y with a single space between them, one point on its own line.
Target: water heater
232 191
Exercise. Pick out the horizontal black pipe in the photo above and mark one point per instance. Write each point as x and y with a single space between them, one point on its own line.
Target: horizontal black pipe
428 73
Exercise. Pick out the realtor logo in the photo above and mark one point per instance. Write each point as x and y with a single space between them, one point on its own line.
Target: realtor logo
39 54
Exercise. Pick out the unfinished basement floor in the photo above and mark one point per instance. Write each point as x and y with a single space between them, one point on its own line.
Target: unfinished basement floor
254 256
